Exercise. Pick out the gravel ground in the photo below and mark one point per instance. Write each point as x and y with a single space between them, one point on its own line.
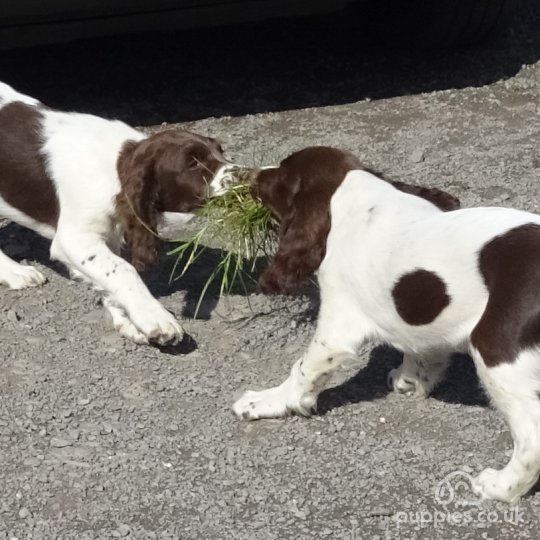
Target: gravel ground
100 438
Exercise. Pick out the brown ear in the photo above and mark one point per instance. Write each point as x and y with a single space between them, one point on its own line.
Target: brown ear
298 192
302 246
438 197
136 202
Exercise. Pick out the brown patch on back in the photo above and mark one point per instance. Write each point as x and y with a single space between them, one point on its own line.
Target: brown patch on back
24 182
420 296
441 199
510 266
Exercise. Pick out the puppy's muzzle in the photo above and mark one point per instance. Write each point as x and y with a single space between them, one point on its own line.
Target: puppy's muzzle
226 176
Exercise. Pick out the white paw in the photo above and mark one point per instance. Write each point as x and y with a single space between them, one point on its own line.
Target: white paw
264 404
159 326
128 330
407 385
275 402
499 486
21 276
122 324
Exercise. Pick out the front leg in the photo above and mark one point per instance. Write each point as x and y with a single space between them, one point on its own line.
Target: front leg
122 323
298 393
341 328
418 374
89 255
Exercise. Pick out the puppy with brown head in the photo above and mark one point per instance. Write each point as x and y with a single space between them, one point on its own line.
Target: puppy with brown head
164 180
299 192
90 185
394 268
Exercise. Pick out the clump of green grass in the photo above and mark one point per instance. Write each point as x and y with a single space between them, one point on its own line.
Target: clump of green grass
247 229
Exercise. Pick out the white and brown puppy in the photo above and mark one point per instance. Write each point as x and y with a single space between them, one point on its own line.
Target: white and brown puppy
89 184
394 268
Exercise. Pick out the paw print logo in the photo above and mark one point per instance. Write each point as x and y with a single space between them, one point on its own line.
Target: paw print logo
456 489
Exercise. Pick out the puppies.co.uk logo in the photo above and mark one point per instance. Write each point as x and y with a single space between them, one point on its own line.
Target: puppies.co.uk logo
457 504
456 489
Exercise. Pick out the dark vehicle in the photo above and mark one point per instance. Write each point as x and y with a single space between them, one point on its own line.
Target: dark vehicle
422 22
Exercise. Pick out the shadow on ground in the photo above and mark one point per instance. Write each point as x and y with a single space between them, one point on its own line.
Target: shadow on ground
165 278
199 284
270 66
460 384
22 244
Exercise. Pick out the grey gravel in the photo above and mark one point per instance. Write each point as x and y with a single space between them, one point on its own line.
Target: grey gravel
418 156
58 442
24 513
100 438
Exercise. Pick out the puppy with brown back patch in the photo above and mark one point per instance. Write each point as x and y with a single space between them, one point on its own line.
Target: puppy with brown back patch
90 185
395 267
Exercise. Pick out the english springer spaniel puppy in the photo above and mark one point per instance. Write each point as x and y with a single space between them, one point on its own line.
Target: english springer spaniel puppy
89 184
395 268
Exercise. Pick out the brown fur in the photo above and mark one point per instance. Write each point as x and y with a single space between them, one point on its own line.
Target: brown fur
298 192
511 322
438 197
24 182
167 172
420 296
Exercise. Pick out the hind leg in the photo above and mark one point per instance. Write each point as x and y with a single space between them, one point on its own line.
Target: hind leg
18 276
418 374
514 387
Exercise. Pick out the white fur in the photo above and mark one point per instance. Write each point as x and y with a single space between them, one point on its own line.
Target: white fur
8 94
18 276
81 154
378 234
514 389
223 179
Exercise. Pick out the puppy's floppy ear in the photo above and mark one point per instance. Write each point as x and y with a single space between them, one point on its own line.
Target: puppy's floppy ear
302 246
302 206
438 197
299 193
136 202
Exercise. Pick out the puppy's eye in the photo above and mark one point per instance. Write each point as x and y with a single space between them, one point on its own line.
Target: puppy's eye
194 162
